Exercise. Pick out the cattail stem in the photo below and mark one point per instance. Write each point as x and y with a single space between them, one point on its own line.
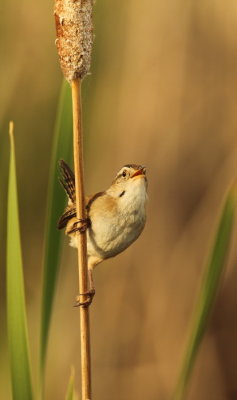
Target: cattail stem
74 43
82 249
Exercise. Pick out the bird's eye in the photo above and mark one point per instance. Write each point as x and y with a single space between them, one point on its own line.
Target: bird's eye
124 173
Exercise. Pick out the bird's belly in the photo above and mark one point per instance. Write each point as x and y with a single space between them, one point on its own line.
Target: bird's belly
108 237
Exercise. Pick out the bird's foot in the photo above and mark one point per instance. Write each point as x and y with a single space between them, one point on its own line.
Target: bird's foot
80 225
87 301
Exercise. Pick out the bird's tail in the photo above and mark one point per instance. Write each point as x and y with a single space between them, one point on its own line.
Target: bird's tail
67 180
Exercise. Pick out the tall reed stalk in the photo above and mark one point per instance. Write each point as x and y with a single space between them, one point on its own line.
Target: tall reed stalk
74 44
81 237
18 344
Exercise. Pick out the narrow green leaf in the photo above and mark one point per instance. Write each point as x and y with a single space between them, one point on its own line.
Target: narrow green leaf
70 388
16 313
208 290
62 148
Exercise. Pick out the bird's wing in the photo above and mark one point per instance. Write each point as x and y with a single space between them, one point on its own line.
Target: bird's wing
91 199
70 211
68 182
67 215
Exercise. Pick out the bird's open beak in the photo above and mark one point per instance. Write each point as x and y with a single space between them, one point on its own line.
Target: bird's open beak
141 171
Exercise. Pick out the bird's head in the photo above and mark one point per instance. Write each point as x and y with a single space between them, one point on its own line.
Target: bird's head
131 178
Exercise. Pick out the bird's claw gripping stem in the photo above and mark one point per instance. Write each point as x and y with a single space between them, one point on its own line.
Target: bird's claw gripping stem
87 302
80 225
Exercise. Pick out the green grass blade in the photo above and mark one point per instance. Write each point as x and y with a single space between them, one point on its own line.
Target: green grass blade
62 148
209 287
70 388
16 313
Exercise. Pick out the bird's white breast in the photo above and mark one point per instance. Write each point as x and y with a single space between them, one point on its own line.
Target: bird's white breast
115 226
116 222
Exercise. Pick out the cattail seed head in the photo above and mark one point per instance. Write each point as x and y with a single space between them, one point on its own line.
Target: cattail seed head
74 41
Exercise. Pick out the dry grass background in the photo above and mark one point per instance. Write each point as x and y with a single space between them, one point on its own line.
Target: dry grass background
163 92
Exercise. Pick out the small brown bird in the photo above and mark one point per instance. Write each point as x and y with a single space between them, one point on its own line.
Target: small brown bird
115 217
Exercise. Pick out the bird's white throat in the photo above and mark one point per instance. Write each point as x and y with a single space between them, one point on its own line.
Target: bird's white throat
135 195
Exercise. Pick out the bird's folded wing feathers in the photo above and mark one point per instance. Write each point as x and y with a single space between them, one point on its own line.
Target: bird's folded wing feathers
68 182
67 215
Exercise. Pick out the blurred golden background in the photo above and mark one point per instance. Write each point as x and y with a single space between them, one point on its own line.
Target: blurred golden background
163 93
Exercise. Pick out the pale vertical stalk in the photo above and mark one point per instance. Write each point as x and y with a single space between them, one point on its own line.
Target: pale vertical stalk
74 43
81 237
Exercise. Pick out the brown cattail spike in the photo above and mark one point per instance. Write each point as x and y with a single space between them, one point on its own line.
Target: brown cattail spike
74 36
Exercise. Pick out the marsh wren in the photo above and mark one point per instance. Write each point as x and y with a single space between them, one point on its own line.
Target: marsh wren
115 217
